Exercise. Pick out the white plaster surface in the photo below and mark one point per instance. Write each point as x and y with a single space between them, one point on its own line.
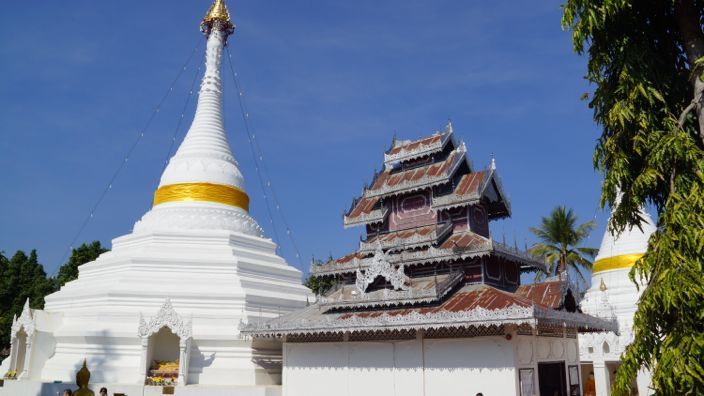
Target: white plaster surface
428 367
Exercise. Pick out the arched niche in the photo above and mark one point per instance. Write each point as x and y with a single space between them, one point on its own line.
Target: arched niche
21 337
21 356
166 338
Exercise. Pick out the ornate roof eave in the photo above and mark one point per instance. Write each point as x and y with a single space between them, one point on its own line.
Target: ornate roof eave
375 216
531 264
408 259
415 241
391 298
434 255
425 182
477 317
423 150
500 188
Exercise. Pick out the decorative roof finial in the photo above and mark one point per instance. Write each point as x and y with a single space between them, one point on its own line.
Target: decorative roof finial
492 166
217 18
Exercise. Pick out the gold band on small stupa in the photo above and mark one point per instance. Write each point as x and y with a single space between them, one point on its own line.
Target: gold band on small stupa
209 192
616 262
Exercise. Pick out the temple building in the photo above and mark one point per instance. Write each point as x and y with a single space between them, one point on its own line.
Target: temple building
163 306
430 304
613 295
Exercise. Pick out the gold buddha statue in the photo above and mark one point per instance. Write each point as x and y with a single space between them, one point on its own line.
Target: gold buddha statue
82 378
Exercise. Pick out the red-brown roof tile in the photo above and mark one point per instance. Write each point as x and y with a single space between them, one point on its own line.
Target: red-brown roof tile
545 294
364 206
465 241
471 183
389 179
409 146
466 299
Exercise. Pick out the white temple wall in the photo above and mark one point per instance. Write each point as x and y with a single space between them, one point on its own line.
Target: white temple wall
405 368
42 348
468 366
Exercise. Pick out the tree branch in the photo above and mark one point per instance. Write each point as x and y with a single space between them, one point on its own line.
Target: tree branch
683 116
687 16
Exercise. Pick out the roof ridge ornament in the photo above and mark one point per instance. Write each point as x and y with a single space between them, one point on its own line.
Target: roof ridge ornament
448 127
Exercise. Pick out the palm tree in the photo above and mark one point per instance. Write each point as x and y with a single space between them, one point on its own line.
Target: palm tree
559 243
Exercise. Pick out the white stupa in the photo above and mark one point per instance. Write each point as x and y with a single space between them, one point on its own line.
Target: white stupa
613 295
176 288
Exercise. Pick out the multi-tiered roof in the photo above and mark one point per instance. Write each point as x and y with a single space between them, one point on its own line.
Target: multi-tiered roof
428 261
458 201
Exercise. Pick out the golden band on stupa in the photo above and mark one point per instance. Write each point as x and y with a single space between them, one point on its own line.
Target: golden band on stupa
616 262
210 192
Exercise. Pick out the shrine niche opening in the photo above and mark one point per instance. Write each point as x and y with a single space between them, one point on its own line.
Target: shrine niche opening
163 355
18 362
166 342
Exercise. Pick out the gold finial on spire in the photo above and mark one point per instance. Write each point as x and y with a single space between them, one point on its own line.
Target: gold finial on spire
218 17
217 11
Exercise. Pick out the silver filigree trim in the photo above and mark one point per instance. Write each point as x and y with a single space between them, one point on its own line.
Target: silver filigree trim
26 321
380 266
166 317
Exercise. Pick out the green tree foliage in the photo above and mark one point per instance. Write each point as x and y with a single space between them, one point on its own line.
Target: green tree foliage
22 278
645 61
560 237
319 285
79 256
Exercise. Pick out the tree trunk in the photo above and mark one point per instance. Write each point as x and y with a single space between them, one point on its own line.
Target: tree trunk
687 16
562 263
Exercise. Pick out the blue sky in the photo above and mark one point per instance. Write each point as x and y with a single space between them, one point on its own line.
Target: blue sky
327 85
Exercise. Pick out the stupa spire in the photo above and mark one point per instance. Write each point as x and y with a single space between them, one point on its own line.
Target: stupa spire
204 169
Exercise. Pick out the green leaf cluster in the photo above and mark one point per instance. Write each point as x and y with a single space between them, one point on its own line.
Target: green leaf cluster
651 150
22 277
560 239
320 284
81 255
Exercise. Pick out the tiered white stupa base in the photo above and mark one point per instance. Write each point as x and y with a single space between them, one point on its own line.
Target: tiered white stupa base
213 279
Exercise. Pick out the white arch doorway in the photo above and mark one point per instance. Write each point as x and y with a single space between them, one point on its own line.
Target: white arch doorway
166 341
